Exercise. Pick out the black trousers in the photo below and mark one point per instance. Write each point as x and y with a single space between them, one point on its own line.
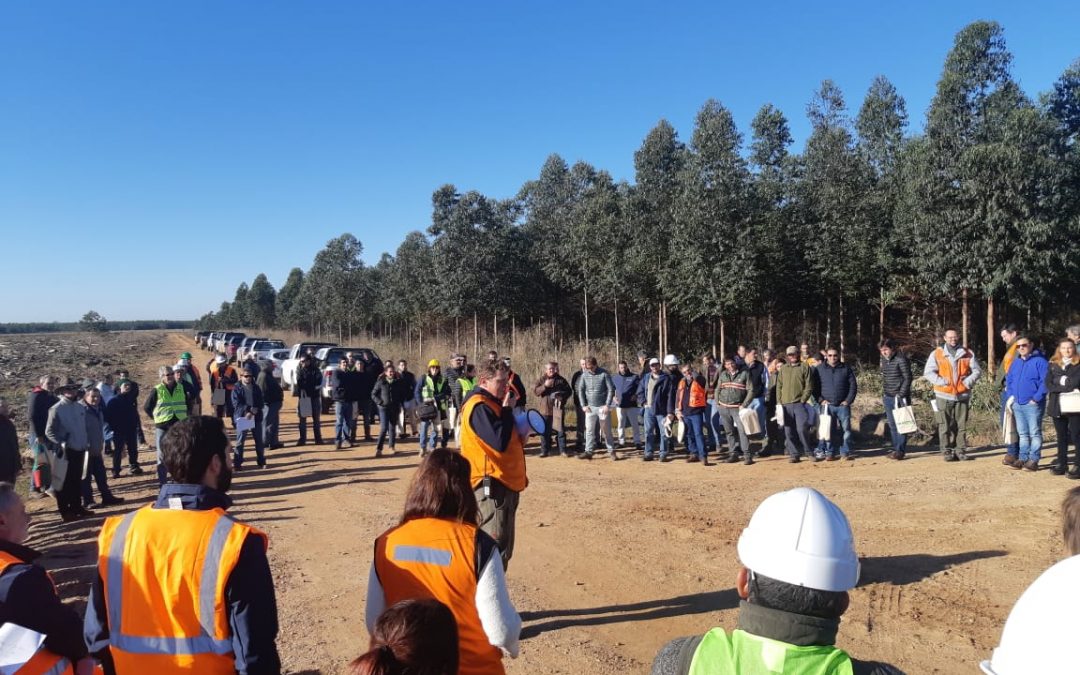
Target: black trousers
1067 428
69 496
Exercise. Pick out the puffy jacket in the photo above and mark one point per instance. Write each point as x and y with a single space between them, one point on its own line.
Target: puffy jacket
734 390
896 376
835 384
756 372
595 389
346 385
663 402
390 393
1027 379
626 387
271 388
1060 378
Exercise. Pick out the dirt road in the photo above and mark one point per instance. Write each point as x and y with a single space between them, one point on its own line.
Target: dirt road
614 559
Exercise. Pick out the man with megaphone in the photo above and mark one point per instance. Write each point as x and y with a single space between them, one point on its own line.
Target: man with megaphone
496 453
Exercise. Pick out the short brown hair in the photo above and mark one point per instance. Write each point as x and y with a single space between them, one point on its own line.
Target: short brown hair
1070 520
489 369
190 444
414 636
441 489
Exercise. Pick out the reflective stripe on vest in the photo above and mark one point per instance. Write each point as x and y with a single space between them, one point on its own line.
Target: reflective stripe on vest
437 558
170 405
204 643
41 661
741 652
698 398
508 466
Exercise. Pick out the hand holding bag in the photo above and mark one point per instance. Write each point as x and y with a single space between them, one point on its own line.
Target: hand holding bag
1008 425
824 427
748 420
904 418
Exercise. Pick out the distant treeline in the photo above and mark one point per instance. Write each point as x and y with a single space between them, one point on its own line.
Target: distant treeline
72 326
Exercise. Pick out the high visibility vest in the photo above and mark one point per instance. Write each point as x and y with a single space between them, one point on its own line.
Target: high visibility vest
467 385
698 397
170 405
218 373
431 389
741 652
436 558
507 467
954 382
164 573
1010 355
41 661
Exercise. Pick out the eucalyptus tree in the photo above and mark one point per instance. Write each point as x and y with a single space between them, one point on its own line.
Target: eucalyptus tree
261 299
286 297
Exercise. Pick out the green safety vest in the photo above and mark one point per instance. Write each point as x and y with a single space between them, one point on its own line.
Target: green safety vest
431 391
743 653
170 406
467 385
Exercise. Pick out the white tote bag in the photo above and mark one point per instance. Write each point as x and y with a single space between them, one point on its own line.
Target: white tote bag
824 427
904 418
1008 426
1069 402
749 422
303 408
779 415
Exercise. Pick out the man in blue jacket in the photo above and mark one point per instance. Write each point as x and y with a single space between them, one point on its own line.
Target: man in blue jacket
626 405
656 396
835 388
1025 386
247 400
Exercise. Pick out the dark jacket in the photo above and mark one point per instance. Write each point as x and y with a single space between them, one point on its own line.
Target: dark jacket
391 395
247 399
514 380
663 403
346 385
408 380
308 381
626 388
28 598
121 416
559 389
271 388
10 459
835 384
756 372
38 404
249 595
453 377
896 376
1054 386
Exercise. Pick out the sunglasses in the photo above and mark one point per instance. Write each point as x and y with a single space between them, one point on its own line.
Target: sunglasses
1023 345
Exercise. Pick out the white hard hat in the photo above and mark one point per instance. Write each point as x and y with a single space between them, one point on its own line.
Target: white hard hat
221 358
671 360
1038 634
801 538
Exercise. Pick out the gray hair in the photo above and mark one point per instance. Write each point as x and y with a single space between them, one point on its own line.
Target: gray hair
1073 330
164 370
44 380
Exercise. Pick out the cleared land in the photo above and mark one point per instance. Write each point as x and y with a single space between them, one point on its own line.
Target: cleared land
614 559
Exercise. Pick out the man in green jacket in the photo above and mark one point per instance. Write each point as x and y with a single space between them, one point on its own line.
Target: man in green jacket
793 389
798 564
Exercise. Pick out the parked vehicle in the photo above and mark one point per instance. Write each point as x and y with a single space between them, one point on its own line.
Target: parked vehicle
277 357
200 337
245 345
288 369
329 360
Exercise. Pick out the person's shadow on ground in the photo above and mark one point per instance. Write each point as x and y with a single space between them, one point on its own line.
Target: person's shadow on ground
900 570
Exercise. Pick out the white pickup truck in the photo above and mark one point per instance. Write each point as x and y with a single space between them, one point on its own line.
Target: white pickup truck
288 368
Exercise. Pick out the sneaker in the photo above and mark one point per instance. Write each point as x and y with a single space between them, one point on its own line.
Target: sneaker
337 445
963 456
543 454
1031 465
950 457
819 458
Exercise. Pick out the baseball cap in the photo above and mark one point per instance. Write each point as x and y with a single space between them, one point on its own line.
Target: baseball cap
792 350
654 361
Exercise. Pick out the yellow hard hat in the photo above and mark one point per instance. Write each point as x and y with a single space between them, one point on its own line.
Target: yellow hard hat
433 363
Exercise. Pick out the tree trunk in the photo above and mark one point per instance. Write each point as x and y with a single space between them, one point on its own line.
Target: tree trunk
881 314
495 337
420 351
586 321
457 334
991 366
475 338
964 318
408 338
840 325
828 322
769 336
617 356
660 331
513 335
723 336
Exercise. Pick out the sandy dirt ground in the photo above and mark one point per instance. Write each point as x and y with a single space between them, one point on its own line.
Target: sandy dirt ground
615 559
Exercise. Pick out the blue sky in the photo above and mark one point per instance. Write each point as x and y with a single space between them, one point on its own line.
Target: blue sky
154 155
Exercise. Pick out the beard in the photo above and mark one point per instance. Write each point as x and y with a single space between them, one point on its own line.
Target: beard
224 481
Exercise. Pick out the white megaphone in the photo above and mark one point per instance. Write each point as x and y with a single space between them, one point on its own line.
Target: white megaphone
528 422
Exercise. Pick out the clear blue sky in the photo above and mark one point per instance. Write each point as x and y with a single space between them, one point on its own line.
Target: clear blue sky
154 155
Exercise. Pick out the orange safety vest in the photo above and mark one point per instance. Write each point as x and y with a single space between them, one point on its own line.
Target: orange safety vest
698 398
42 662
1010 355
507 467
436 558
164 573
954 381
217 374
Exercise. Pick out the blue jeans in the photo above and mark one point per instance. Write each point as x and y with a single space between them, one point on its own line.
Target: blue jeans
1029 428
715 428
429 434
653 432
162 472
387 426
260 449
343 420
841 427
796 441
758 405
1013 449
271 422
899 440
695 439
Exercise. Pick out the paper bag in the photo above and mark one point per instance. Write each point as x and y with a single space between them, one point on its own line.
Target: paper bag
303 409
219 396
